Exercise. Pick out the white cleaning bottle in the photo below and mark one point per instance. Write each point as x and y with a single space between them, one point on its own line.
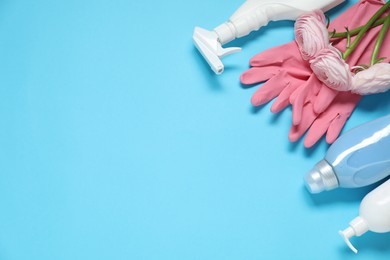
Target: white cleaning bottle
374 215
252 15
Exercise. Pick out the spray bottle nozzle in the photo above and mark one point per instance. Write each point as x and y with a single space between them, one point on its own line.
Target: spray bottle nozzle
211 49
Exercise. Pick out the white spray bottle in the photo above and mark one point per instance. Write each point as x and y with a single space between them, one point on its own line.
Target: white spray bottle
374 215
252 15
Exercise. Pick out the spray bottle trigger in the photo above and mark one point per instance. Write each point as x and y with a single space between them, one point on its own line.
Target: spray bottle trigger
211 49
222 52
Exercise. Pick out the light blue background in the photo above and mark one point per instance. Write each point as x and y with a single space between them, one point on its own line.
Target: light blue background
118 142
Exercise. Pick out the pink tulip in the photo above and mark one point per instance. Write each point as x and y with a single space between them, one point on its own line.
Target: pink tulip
331 69
311 34
375 79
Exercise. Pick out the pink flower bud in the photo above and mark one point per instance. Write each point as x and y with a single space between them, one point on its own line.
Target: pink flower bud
331 69
311 34
375 79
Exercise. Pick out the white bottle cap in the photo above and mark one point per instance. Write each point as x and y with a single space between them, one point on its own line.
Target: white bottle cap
357 227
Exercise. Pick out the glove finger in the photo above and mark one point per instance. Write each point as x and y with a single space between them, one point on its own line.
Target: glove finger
256 75
282 101
324 98
335 128
314 89
297 106
349 103
300 98
276 55
270 89
308 117
318 129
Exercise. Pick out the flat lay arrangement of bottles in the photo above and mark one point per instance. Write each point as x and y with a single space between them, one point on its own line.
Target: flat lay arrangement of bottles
358 158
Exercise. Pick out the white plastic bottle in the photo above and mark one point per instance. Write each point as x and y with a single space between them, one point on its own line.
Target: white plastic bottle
252 15
374 215
358 158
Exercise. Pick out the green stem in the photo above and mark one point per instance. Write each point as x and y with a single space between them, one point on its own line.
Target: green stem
365 28
355 31
379 41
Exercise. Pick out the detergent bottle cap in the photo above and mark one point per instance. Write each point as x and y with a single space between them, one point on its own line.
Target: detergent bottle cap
357 227
321 177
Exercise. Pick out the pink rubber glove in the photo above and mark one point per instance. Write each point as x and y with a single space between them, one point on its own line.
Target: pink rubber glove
291 80
286 59
333 119
330 122
286 75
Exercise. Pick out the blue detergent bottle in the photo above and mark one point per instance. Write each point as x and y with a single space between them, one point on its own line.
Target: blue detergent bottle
358 158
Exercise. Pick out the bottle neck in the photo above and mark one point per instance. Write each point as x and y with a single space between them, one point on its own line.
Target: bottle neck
226 32
359 225
321 177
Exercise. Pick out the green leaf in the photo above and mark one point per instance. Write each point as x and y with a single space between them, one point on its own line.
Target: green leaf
379 60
